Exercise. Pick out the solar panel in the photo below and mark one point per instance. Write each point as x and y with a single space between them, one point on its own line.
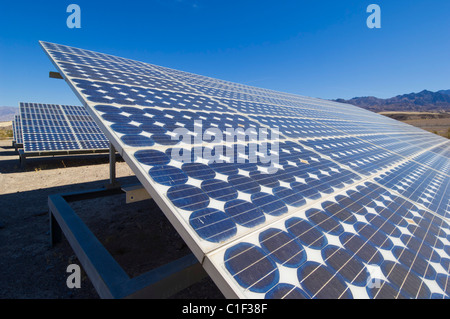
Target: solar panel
324 200
14 129
17 130
53 128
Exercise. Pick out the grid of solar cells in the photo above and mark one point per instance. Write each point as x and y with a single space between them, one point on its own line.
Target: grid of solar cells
443 150
330 223
14 129
17 130
426 186
49 127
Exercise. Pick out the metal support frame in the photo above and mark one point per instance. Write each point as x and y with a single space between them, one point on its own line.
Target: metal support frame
22 158
24 155
16 146
55 75
112 167
106 275
135 193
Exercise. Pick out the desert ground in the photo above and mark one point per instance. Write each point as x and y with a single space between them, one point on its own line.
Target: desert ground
137 235
438 123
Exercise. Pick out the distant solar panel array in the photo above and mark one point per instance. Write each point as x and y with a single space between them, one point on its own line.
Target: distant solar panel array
58 128
17 130
358 206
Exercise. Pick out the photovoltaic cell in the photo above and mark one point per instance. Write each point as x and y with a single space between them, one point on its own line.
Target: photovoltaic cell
341 203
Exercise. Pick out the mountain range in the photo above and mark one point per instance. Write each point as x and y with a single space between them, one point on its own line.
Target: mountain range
7 113
424 101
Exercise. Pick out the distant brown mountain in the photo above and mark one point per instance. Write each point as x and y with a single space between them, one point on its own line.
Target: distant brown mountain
425 101
7 113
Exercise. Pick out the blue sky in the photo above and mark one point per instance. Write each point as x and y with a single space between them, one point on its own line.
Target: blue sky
314 48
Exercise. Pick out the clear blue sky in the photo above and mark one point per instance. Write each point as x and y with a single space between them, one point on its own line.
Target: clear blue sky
315 48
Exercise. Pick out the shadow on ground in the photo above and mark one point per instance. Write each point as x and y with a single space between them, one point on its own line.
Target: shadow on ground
137 235
13 165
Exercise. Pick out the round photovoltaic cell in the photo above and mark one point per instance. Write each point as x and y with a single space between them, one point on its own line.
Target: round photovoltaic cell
142 119
269 204
152 157
289 196
426 236
132 110
268 180
424 249
324 221
351 205
320 185
305 190
212 225
322 282
198 171
405 281
282 247
107 109
394 218
244 184
383 225
183 155
376 237
444 282
127 129
219 190
116 118
165 139
345 264
414 261
225 168
244 213
153 128
361 198
290 171
168 175
332 181
339 212
154 113
188 197
306 233
251 267
365 250
137 141
285 176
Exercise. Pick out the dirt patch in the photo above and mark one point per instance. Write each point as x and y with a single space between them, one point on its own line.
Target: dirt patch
137 235
6 124
438 123
6 131
437 126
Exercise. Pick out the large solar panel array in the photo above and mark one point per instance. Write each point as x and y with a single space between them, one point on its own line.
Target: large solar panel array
59 128
17 130
351 204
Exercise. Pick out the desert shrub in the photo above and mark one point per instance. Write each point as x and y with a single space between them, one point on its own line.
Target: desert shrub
6 133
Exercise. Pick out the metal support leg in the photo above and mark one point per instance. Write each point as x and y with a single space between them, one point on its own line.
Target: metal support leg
55 230
22 159
112 167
